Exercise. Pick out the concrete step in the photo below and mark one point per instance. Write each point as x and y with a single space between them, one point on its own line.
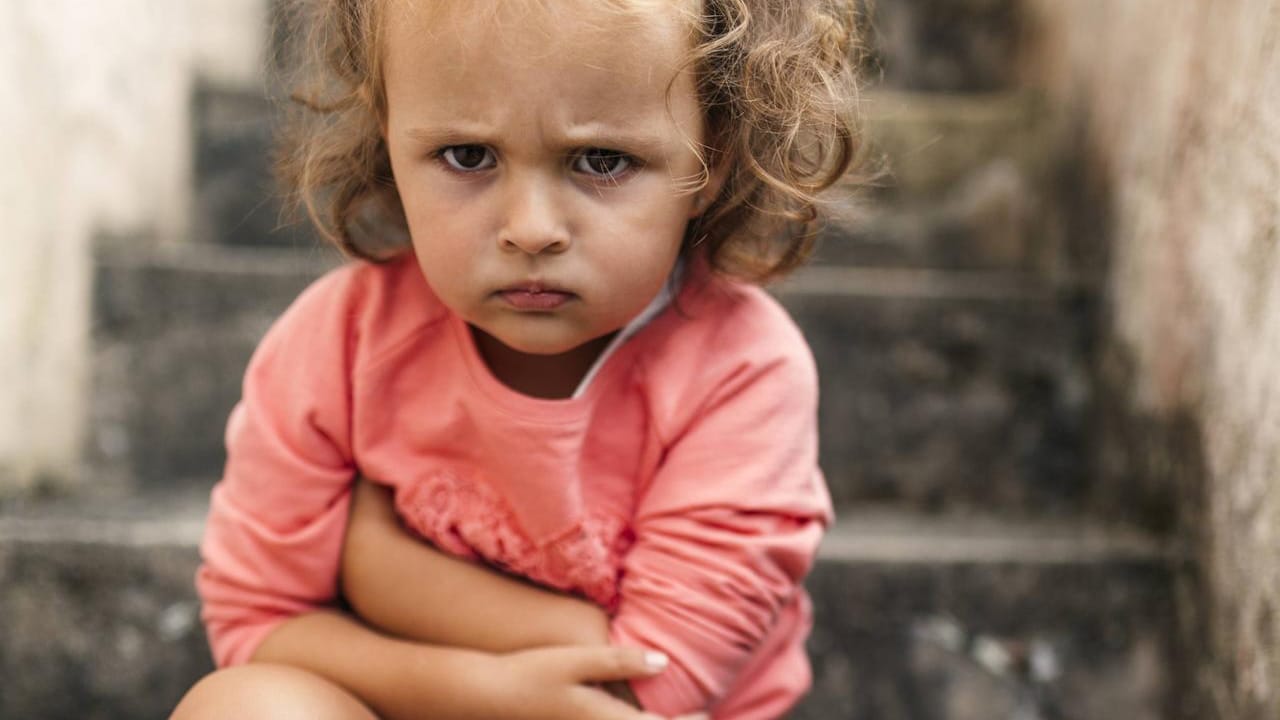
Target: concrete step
237 200
172 332
967 190
946 389
918 618
938 389
100 619
978 618
964 182
993 219
933 142
945 45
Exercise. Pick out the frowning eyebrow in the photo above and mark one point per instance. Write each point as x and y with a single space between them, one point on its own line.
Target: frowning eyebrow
578 137
478 135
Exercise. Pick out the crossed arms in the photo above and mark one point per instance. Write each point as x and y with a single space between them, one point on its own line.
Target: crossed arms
402 586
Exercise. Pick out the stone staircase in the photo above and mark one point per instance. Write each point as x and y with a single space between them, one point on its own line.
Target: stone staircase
976 572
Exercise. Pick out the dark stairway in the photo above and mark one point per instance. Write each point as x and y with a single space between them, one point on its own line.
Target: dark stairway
971 574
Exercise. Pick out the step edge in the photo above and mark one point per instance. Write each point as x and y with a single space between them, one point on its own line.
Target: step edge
915 284
183 533
901 538
223 259
1081 543
1003 106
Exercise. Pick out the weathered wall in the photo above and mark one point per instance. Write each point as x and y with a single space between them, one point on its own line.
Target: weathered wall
94 133
1180 104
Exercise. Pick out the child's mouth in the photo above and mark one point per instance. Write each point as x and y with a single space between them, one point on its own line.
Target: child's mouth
535 299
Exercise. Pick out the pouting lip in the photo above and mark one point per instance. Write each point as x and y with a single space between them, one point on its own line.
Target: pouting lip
535 287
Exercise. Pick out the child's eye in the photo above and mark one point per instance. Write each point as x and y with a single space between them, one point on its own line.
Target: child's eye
468 158
602 163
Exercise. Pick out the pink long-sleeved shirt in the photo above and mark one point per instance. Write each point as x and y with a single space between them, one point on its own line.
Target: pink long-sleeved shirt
680 490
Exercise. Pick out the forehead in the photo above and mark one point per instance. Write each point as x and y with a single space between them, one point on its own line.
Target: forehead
579 26
597 56
609 13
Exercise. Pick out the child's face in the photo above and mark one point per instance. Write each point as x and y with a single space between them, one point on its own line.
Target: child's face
540 159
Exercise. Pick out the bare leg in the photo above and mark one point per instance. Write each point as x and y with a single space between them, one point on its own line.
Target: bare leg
268 692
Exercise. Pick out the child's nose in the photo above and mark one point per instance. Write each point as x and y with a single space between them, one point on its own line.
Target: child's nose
534 222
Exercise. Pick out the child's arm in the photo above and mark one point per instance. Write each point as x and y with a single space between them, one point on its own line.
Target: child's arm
405 587
401 680
402 585
265 586
729 525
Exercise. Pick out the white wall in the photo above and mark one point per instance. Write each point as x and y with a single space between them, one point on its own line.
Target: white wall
94 137
1183 107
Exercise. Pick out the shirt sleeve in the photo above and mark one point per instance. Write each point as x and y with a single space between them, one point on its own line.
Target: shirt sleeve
277 518
725 532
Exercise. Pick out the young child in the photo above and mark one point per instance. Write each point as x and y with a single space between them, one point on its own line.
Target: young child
547 441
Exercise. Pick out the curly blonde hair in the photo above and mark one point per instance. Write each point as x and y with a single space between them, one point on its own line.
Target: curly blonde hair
776 80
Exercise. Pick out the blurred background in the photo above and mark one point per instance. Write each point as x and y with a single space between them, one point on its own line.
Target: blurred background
1049 339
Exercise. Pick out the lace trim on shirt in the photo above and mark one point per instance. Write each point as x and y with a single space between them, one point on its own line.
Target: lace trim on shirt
471 520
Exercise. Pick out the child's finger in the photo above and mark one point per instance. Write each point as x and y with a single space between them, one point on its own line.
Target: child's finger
603 664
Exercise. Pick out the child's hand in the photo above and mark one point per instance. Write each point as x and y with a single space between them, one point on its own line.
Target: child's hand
557 683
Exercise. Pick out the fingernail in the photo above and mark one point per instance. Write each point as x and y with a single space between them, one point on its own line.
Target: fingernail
656 661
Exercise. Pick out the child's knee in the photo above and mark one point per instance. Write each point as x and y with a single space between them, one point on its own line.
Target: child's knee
268 692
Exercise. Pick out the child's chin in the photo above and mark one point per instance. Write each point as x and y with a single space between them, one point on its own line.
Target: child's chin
541 346
532 343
